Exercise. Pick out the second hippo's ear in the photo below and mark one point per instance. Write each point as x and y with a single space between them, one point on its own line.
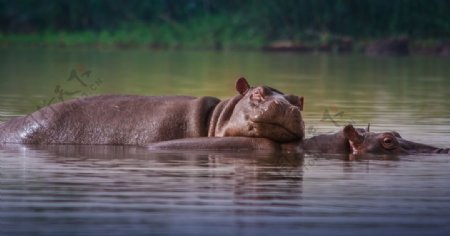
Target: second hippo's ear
297 101
355 139
242 86
301 103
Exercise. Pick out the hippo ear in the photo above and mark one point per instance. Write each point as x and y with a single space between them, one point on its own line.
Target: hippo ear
301 103
242 85
355 139
368 127
296 101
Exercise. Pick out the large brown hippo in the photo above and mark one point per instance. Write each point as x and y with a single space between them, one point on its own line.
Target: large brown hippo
139 120
349 140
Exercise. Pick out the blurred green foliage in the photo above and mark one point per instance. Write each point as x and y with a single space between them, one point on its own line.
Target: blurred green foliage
218 23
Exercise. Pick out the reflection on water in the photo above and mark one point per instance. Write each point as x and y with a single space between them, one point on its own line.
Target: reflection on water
114 190
108 190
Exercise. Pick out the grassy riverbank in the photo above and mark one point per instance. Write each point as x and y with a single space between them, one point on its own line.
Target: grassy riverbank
213 33
160 37
301 25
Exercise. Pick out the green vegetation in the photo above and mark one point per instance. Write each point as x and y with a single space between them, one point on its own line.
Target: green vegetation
218 23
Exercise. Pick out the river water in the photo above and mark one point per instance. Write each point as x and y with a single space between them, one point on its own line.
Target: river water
114 190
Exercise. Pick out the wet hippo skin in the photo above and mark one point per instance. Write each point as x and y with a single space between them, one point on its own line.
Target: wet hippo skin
363 141
349 140
139 120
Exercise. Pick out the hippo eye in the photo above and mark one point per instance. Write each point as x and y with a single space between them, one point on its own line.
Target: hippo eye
258 95
389 142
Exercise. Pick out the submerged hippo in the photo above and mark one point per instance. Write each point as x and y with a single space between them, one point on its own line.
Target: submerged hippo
363 141
350 140
139 120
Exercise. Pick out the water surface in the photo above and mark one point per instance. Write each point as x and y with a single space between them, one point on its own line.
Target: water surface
108 190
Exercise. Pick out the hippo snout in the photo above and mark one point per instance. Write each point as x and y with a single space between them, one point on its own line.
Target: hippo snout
278 112
293 111
279 119
274 106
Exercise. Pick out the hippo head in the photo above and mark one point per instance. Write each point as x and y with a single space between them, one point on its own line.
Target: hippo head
261 112
363 141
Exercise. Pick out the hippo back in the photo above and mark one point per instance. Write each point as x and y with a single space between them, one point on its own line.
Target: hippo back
113 119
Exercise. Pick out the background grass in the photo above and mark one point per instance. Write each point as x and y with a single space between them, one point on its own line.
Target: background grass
218 24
